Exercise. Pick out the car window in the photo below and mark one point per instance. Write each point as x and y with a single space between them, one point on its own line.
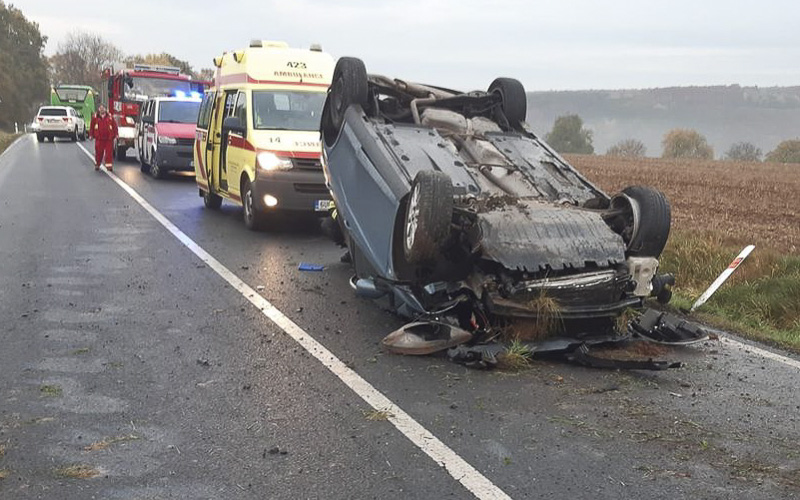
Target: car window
287 110
230 102
52 112
204 116
240 111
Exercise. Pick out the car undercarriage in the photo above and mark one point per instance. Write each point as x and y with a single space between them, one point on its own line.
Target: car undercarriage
459 214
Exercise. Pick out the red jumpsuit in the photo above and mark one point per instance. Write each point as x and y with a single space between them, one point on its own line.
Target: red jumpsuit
103 130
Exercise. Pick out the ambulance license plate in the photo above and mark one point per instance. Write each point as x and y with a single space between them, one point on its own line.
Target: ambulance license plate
323 205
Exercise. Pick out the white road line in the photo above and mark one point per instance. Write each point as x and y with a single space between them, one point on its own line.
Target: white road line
456 466
762 352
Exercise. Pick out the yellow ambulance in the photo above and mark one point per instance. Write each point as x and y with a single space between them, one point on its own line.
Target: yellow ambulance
257 138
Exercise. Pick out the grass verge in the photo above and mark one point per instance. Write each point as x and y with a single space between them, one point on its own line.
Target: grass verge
6 140
760 301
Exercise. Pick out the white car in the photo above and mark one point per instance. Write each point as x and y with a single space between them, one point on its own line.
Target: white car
60 121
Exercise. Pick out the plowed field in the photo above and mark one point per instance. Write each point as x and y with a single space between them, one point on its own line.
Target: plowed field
745 202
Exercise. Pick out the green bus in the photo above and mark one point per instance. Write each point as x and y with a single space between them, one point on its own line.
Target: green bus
80 97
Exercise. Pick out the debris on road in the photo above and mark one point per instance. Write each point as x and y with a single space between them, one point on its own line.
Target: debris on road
305 266
425 337
667 328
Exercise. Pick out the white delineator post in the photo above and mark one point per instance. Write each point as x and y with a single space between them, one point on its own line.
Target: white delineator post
722 277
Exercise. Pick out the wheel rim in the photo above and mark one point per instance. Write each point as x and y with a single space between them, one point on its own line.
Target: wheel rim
412 218
248 204
154 170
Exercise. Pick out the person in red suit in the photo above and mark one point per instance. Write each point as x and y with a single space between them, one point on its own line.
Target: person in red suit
103 130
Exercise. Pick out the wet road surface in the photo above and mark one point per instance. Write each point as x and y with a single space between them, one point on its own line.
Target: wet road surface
127 358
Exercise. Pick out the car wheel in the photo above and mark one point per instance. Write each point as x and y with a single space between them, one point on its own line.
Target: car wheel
39 137
645 220
429 213
74 136
253 218
348 87
514 102
143 166
212 200
122 152
155 170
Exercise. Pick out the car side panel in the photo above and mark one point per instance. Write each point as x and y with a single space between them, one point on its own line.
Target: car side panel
366 199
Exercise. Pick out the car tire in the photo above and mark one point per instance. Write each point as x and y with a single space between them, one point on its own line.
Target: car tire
514 102
143 166
253 218
429 212
212 200
74 136
39 137
648 224
155 170
348 87
122 152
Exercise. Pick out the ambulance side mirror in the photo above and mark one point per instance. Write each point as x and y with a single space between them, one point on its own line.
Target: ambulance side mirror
235 125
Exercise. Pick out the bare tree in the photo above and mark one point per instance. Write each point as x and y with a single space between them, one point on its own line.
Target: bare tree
206 74
81 58
743 151
628 148
163 59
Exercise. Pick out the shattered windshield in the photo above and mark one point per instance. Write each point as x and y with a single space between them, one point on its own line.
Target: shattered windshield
287 110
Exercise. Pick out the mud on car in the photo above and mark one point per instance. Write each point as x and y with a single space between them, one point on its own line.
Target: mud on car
456 210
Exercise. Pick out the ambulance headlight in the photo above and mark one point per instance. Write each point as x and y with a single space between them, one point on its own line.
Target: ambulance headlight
270 161
162 139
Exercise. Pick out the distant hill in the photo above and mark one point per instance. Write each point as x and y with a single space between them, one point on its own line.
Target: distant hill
725 115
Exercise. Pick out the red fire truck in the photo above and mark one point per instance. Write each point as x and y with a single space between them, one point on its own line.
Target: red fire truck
124 90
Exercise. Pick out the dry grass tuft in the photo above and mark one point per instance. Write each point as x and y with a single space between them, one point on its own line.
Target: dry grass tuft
4 473
77 471
547 322
50 390
105 443
515 358
377 415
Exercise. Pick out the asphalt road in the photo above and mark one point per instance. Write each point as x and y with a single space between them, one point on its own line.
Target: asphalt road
126 357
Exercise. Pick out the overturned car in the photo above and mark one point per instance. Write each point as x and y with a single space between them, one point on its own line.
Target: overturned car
457 212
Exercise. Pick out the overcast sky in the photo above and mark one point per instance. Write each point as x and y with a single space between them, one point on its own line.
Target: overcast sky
464 44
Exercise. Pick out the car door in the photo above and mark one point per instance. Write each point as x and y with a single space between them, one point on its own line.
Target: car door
237 153
140 133
203 142
226 103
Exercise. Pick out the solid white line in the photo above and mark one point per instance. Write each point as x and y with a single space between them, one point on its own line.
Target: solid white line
456 466
762 352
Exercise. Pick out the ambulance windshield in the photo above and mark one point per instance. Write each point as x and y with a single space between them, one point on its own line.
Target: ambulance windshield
287 110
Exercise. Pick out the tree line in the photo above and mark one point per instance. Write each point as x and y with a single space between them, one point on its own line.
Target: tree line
26 74
569 135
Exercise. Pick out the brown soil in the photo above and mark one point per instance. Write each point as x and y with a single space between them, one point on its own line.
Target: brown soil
755 203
